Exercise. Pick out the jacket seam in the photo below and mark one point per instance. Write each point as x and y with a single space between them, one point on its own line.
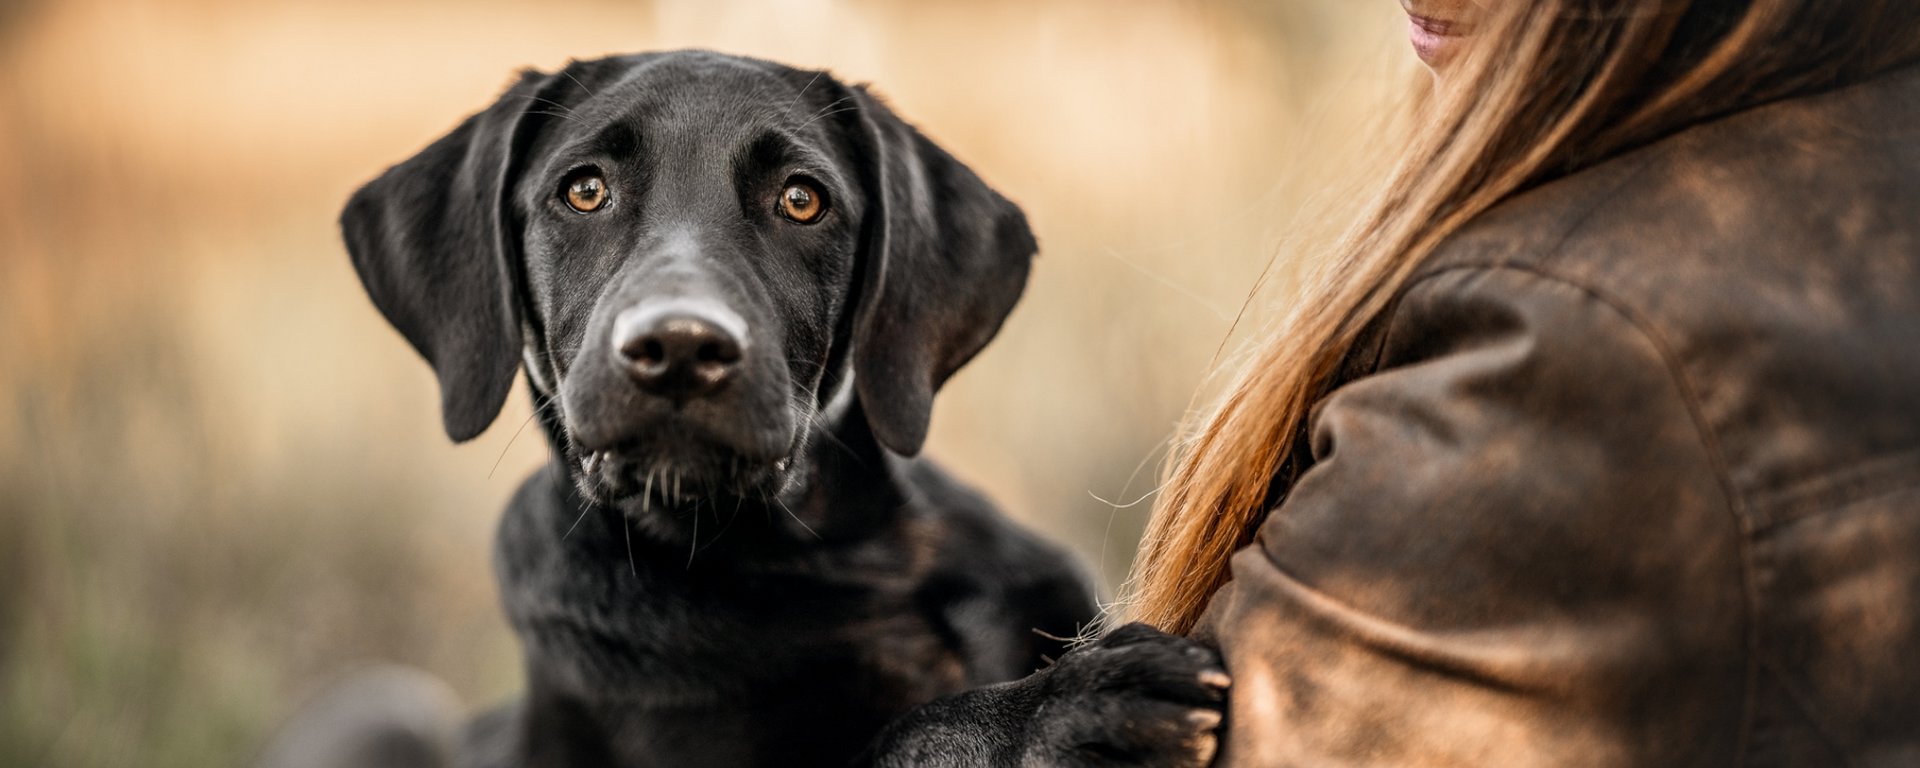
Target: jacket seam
1710 444
1866 481
1591 206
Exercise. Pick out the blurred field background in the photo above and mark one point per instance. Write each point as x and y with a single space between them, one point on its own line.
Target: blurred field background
222 477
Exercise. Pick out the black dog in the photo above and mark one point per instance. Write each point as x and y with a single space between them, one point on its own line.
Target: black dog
735 288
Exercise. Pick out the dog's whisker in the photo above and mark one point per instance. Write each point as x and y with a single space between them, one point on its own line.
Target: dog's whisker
590 483
530 97
694 548
803 90
796 518
599 484
627 528
561 115
819 368
823 110
834 103
509 445
825 115
817 420
584 509
542 350
728 526
537 408
576 81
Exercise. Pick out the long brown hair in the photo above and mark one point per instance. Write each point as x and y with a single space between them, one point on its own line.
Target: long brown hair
1546 88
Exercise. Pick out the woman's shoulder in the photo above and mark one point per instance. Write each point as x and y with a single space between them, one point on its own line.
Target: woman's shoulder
1824 186
1770 258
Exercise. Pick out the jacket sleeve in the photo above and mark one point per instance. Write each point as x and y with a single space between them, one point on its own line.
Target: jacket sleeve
1512 547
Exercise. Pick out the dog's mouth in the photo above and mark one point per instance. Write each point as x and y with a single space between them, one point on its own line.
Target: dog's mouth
675 478
668 468
653 457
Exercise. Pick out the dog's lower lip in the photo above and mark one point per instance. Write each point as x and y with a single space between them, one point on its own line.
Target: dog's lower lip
663 483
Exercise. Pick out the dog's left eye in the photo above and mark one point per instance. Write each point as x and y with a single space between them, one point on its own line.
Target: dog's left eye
586 193
801 203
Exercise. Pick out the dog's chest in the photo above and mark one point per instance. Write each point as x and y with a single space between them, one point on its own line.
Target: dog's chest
677 640
691 686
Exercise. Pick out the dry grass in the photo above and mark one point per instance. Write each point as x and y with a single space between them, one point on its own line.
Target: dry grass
222 477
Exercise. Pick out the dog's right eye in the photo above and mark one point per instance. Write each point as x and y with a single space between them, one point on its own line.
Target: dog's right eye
586 193
801 203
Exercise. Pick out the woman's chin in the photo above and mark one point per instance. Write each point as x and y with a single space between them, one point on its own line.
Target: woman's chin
1432 43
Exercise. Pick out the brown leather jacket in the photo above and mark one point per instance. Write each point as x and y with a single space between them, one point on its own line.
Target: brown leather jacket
1629 476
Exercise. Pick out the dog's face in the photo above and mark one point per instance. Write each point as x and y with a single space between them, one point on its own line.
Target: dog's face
689 247
695 256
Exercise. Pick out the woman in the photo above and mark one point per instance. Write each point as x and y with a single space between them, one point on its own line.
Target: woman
1597 443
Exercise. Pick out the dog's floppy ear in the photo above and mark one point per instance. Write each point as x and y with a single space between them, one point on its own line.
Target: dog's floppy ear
945 259
435 245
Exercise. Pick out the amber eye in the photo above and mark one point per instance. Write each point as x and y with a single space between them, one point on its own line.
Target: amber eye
802 203
587 193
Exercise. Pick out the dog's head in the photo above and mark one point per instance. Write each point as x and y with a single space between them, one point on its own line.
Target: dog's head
694 255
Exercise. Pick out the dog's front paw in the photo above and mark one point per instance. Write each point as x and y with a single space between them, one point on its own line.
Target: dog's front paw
1137 696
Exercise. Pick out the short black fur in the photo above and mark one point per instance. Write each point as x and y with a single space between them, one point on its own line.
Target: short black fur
733 558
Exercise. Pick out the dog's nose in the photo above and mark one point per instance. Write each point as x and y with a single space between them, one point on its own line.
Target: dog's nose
679 349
